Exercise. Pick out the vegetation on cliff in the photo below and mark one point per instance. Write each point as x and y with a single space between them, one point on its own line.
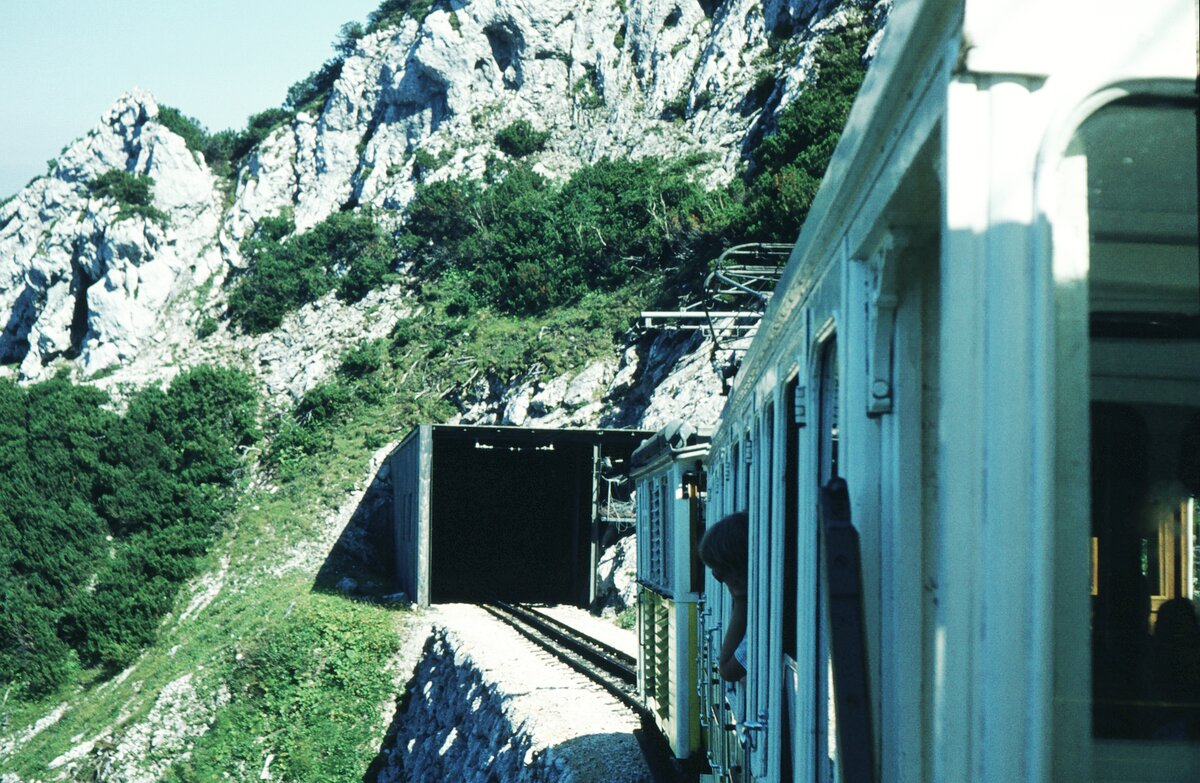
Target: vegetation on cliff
303 686
523 244
102 517
788 164
348 252
133 195
519 243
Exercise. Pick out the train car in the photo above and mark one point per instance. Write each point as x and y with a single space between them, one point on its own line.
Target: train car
668 474
979 377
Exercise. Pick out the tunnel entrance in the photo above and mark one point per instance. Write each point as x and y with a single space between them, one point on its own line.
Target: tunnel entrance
507 513
511 521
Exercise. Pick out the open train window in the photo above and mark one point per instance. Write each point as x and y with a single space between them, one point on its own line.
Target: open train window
1134 163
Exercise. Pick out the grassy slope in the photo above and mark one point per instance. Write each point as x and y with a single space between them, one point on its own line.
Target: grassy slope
307 672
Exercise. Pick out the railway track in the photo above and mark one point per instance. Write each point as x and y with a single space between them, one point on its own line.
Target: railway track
608 667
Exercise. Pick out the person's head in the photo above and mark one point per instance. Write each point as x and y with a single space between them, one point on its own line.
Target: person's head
725 548
1177 622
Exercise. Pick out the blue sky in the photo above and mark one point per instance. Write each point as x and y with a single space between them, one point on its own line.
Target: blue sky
63 62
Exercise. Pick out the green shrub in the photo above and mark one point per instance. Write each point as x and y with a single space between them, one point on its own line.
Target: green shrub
523 245
225 150
292 441
363 359
206 327
587 89
346 251
520 138
103 517
309 94
258 127
406 331
393 12
123 187
423 162
348 37
790 163
764 85
325 402
134 195
676 108
188 128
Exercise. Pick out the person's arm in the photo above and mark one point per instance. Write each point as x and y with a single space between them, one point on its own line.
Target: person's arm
735 631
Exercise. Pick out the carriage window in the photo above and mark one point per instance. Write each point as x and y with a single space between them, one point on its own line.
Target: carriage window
791 517
1143 293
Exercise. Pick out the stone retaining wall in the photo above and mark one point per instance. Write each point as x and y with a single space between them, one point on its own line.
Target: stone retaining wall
453 726
484 705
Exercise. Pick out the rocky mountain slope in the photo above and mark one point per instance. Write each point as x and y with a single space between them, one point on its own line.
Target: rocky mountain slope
118 297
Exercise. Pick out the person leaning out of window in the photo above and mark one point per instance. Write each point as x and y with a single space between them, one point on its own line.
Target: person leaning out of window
725 548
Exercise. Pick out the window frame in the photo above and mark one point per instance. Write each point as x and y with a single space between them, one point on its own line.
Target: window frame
1067 251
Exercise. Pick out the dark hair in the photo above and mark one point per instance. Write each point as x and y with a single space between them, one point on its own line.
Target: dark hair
726 545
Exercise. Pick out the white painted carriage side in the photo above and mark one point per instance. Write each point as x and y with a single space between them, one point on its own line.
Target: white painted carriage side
965 491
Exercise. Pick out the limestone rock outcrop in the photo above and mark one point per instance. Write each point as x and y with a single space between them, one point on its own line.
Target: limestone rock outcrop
79 279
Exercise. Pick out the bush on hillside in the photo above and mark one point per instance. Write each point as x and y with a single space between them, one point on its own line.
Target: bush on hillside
134 195
519 139
393 12
225 150
790 163
347 251
187 128
363 359
309 93
103 517
349 34
524 245
309 680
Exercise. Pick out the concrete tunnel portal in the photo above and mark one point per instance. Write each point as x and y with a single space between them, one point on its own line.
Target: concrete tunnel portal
508 513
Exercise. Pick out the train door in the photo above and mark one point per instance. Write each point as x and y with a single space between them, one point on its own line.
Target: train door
712 712
737 694
725 711
825 752
790 746
762 621
1127 280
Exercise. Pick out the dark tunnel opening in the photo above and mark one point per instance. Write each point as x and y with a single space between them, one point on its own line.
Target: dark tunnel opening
513 522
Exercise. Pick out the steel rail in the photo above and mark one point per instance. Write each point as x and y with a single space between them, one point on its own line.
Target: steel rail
618 662
565 647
